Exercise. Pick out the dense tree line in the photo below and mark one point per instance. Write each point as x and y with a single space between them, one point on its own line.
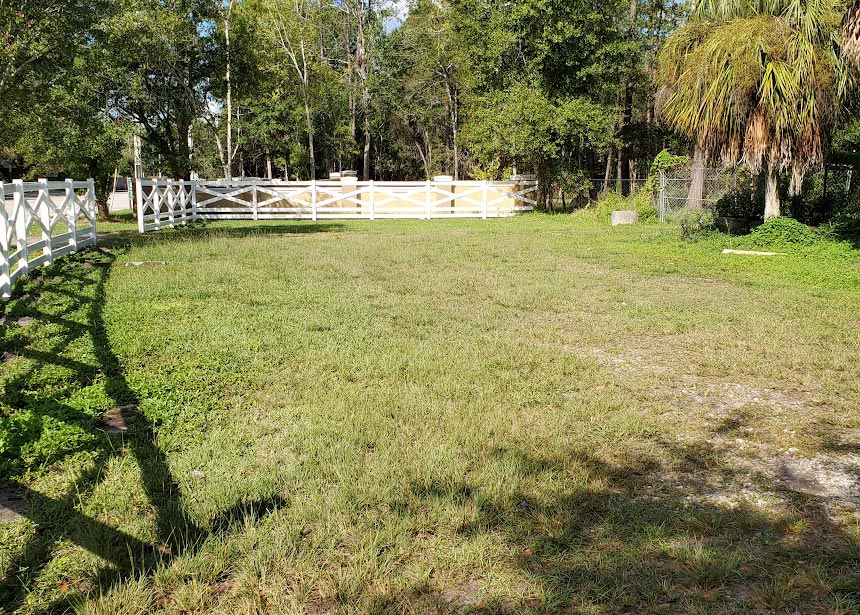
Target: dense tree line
569 90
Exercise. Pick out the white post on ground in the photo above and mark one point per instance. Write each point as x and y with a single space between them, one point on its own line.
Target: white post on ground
44 211
72 214
138 187
484 200
5 248
21 210
372 200
254 200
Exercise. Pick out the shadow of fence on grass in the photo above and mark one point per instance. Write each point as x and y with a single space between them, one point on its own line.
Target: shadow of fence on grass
78 284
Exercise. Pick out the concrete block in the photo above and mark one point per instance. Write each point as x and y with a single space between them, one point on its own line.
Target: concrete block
624 217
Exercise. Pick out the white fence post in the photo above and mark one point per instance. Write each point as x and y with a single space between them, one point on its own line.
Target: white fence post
254 200
21 210
194 213
484 200
138 186
5 248
44 213
429 199
372 200
314 199
171 202
71 203
91 207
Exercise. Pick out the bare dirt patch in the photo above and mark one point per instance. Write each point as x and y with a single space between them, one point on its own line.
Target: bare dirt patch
119 419
13 506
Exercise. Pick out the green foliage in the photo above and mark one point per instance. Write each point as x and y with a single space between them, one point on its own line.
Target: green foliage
759 82
782 232
694 225
666 160
642 202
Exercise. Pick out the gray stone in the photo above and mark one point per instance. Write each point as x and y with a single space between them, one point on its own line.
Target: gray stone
624 217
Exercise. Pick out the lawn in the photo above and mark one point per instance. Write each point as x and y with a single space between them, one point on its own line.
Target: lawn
533 415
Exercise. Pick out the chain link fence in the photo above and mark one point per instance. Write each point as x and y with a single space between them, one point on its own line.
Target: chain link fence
676 195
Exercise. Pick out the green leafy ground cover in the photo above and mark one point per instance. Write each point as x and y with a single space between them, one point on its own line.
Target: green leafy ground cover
534 415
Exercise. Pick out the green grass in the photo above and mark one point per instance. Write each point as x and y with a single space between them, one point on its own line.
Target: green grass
534 415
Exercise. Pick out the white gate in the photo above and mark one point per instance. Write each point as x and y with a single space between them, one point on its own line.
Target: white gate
40 221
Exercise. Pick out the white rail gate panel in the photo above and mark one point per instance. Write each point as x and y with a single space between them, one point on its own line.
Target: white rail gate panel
41 221
163 203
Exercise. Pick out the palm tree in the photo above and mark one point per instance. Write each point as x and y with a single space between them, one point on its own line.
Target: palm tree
851 31
757 81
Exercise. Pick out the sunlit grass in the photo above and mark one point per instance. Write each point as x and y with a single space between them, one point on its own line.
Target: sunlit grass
534 415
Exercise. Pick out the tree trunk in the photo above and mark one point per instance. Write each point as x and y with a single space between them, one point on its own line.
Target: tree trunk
608 175
697 179
367 137
311 155
627 114
228 170
771 196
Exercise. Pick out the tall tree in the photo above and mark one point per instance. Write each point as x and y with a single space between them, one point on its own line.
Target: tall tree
163 57
761 82
851 31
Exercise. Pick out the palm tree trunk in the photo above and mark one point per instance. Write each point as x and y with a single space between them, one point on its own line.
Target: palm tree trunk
771 196
697 179
851 32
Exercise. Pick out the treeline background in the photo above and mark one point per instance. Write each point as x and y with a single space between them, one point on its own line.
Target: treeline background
479 89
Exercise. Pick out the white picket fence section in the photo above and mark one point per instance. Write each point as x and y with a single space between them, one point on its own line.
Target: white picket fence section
168 203
42 221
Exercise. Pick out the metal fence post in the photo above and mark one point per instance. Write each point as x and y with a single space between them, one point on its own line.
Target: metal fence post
662 198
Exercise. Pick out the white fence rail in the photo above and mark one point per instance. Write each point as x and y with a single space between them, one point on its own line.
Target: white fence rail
168 202
41 221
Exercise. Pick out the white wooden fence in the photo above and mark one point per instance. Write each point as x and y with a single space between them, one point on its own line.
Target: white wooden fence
170 202
40 221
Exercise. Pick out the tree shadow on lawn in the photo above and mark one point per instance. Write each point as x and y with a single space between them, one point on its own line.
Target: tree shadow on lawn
78 284
617 544
207 230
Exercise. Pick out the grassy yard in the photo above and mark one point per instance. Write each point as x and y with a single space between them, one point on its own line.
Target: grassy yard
534 415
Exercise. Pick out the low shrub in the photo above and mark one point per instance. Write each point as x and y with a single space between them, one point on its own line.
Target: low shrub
784 231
